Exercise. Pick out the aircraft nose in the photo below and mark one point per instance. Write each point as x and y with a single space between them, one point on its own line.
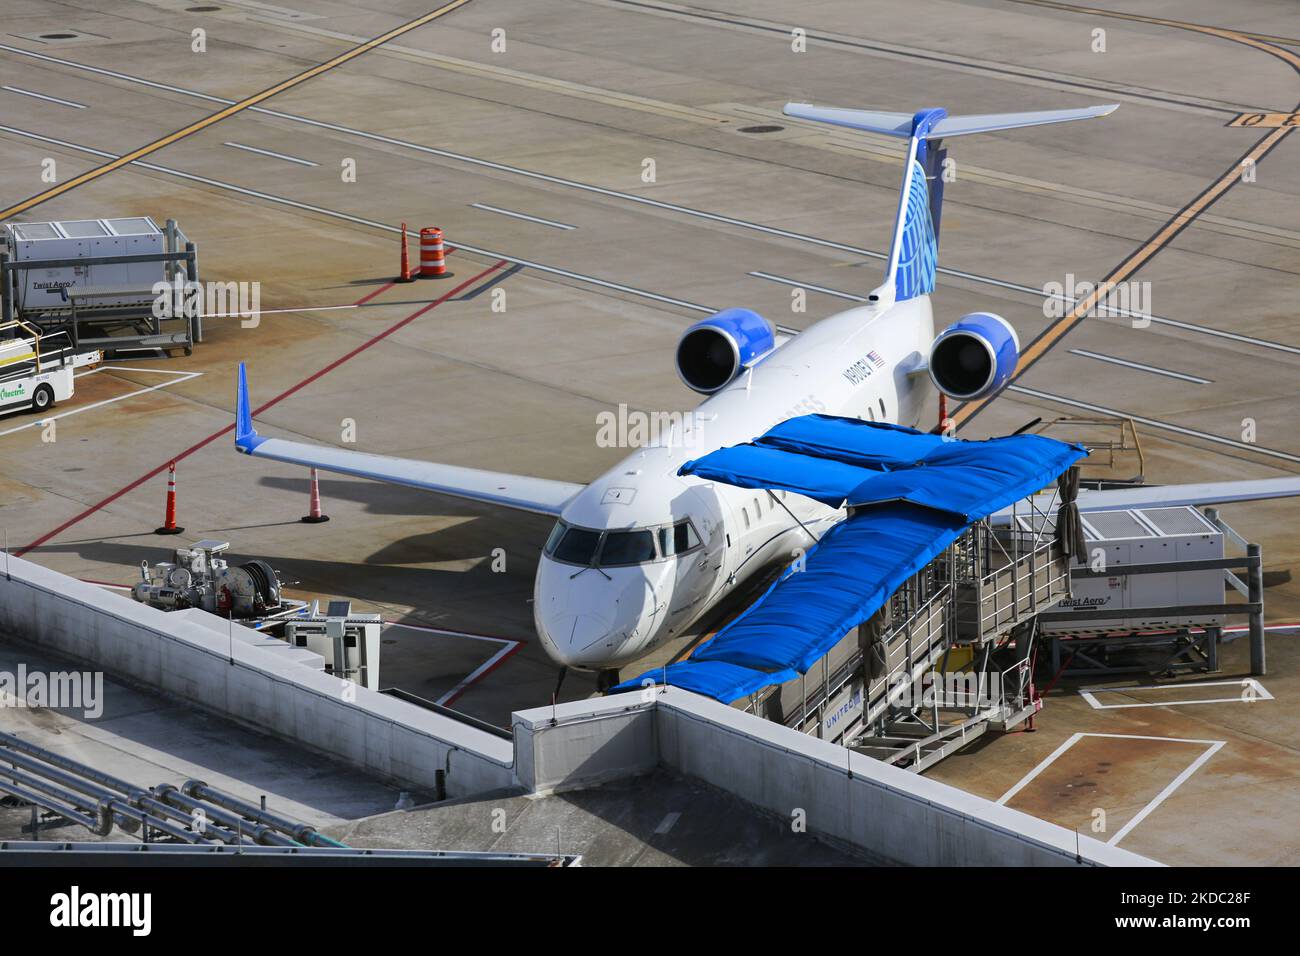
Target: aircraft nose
577 640
588 624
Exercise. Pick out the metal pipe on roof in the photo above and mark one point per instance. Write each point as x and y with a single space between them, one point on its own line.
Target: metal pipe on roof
119 812
58 760
142 800
103 808
265 835
302 832
265 827
47 803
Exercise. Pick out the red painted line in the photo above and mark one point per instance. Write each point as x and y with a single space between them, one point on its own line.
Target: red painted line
1052 683
501 660
383 288
203 443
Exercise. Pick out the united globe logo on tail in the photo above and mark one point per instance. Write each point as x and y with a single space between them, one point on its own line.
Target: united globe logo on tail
918 258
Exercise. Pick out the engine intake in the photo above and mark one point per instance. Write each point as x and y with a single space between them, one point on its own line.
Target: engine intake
713 352
974 357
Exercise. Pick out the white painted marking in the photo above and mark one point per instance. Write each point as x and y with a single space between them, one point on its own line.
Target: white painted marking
43 96
181 377
267 152
1140 367
135 368
321 210
667 823
627 197
1028 778
1214 746
241 315
1030 290
449 633
807 285
520 215
508 647
1155 423
1257 693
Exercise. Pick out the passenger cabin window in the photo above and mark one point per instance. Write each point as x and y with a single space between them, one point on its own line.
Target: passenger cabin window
883 413
744 513
758 511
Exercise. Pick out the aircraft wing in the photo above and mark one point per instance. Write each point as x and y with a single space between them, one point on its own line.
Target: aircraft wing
1206 493
538 495
1169 496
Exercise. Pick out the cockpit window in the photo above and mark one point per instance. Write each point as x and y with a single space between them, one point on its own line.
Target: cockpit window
577 546
585 546
627 547
677 539
554 538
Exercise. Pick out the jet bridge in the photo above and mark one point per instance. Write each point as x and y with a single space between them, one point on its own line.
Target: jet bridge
949 657
916 576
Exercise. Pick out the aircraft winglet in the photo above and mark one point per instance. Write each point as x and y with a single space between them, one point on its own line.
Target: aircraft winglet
246 436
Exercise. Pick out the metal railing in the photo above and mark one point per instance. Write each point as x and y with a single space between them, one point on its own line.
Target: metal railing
971 596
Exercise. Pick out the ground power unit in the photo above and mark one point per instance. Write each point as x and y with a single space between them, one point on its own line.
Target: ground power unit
1143 536
45 291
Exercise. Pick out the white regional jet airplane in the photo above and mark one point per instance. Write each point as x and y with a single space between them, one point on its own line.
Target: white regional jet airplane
641 554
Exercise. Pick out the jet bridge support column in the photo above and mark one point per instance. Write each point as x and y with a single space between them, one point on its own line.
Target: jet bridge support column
1255 595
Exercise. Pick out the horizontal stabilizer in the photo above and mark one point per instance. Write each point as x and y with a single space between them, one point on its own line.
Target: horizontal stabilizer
873 121
991 122
900 124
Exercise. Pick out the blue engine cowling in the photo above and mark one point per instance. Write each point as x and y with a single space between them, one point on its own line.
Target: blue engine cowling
975 356
713 352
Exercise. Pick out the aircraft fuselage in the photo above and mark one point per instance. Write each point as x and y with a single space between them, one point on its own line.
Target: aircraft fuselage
631 576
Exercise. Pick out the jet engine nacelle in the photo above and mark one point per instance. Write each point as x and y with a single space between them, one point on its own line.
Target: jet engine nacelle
713 352
974 357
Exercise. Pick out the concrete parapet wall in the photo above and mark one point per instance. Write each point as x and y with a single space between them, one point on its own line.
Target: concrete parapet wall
844 797
258 686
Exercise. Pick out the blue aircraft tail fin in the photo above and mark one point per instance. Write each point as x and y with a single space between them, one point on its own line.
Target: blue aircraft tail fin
914 251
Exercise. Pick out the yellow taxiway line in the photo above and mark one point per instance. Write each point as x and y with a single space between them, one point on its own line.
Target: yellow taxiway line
230 110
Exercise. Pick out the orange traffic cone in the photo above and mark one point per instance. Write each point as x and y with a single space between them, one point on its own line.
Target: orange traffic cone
314 517
169 522
433 257
405 274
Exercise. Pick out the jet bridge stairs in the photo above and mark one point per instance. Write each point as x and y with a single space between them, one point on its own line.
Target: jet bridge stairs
947 659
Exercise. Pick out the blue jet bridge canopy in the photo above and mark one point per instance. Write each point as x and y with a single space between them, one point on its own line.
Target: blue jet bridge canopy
912 495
